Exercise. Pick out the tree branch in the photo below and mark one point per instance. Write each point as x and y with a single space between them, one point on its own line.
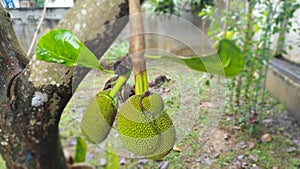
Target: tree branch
137 47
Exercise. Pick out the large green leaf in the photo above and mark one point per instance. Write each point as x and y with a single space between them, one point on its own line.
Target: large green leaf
62 46
112 159
231 57
80 151
227 61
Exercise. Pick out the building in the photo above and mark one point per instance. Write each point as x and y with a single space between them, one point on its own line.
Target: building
37 3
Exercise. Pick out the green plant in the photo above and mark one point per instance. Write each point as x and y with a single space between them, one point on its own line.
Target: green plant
40 3
283 24
111 158
71 52
63 47
80 150
163 7
175 7
250 25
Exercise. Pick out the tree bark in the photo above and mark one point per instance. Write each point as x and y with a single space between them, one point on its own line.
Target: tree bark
33 93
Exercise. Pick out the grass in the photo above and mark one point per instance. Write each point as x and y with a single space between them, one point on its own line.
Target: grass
192 142
268 154
191 124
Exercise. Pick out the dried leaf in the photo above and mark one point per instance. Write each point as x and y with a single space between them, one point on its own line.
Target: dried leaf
250 144
241 145
164 165
253 157
177 149
237 127
266 121
253 118
266 138
290 149
241 157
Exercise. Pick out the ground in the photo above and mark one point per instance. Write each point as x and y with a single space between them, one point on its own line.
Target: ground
212 141
208 135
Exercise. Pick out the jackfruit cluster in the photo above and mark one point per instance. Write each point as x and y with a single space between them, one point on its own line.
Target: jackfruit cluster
144 126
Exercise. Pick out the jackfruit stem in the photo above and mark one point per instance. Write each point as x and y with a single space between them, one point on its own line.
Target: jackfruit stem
137 47
121 80
141 82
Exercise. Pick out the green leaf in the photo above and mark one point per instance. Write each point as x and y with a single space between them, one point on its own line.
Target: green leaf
231 57
112 159
228 61
80 151
63 47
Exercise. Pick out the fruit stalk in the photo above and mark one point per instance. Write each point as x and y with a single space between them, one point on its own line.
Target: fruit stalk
137 47
122 68
119 83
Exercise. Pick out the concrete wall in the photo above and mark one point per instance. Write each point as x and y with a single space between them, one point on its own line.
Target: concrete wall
170 34
185 29
293 39
25 21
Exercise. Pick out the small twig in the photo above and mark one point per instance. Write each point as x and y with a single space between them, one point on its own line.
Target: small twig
37 28
225 22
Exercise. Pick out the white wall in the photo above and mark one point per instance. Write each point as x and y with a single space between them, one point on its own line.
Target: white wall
55 4
294 39
60 3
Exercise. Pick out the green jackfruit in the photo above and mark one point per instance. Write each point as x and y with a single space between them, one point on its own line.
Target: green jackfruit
153 103
98 117
144 128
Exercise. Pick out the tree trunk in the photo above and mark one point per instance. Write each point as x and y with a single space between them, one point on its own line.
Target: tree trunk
33 93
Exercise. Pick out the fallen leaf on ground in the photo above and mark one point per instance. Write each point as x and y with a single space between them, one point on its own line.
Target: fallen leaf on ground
177 149
266 121
241 157
241 145
250 144
164 165
266 138
290 149
237 127
253 157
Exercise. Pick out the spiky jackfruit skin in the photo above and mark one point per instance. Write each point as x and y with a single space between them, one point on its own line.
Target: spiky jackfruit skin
167 138
143 132
153 103
98 117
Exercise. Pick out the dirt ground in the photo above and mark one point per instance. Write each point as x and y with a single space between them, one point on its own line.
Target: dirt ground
226 146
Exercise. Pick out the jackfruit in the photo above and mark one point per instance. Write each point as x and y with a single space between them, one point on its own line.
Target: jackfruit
153 103
98 117
144 128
